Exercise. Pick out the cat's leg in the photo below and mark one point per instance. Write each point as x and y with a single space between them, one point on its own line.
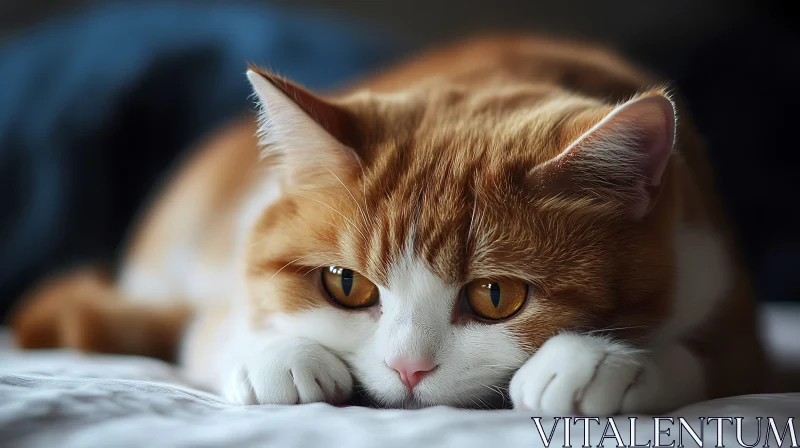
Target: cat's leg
83 310
248 366
589 375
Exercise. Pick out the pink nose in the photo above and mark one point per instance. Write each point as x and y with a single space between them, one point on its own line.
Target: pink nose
411 370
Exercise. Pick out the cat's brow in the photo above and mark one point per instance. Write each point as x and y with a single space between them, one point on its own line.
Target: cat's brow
363 215
337 211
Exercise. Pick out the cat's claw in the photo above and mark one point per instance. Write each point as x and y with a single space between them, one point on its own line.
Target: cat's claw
580 375
289 371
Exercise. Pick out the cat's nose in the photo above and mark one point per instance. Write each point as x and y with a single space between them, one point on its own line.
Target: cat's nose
411 370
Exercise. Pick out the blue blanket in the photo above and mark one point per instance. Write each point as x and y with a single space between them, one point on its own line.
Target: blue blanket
95 106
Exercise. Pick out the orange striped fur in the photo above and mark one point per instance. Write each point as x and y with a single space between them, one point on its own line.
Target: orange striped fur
478 160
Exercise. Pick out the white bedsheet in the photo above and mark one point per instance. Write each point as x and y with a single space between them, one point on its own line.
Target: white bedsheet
65 399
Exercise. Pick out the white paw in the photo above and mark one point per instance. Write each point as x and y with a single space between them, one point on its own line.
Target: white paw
289 371
585 375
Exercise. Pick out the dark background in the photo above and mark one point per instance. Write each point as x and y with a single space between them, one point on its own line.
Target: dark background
669 25
736 62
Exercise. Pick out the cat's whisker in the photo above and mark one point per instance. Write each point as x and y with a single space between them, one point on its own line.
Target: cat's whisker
314 269
284 266
491 388
363 215
461 402
471 222
494 389
337 211
260 240
339 228
362 392
603 330
474 404
363 186
482 404
502 366
296 260
502 391
344 231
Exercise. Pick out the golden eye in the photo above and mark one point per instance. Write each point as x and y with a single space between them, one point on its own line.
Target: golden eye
349 288
496 299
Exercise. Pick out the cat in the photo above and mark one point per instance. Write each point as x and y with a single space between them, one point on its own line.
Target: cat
508 220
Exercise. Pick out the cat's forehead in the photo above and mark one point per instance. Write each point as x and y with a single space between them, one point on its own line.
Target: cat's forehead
459 125
446 176
458 221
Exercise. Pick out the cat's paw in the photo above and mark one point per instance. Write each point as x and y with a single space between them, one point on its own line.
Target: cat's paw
289 371
579 375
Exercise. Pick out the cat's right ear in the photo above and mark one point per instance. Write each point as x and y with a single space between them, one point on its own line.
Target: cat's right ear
307 136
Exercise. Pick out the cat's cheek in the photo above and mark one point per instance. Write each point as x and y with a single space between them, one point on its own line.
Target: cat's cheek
474 365
340 330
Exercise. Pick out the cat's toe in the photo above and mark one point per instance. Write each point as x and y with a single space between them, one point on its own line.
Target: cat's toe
613 378
318 386
572 374
237 388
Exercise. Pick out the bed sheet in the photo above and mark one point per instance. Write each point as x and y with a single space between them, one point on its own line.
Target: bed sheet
68 399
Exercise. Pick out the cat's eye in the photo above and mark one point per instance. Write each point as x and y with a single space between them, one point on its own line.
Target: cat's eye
496 299
349 288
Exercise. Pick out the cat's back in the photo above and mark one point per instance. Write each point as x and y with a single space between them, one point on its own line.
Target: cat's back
496 62
490 60
196 215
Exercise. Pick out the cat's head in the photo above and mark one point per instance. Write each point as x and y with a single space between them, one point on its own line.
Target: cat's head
435 238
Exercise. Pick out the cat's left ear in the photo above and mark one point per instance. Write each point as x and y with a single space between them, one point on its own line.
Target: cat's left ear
620 159
308 137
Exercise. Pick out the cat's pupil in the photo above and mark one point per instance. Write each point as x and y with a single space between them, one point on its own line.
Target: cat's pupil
347 281
494 293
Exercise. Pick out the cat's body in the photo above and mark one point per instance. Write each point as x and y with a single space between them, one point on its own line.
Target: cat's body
529 162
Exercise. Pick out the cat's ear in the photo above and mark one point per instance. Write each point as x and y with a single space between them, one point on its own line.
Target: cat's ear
307 136
622 158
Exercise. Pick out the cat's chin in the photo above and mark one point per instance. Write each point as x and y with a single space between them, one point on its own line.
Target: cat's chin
409 402
413 402
381 388
422 400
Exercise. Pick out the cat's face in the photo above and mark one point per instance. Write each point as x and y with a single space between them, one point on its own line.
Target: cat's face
432 242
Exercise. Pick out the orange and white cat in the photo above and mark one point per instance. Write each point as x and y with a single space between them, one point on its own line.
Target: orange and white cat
508 217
